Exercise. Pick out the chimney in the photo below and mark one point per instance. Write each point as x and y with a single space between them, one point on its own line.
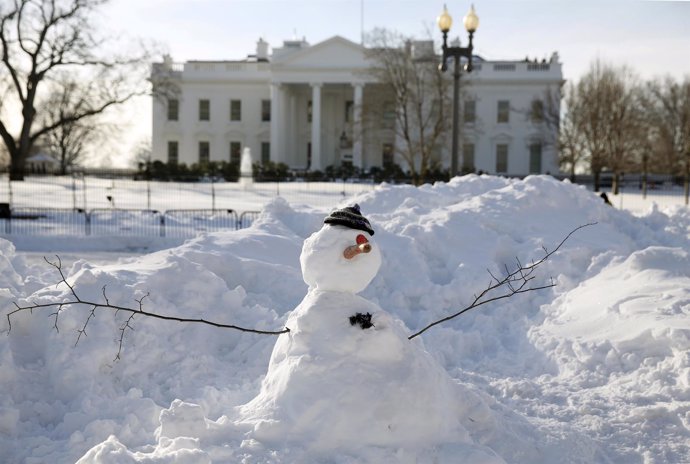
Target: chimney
262 50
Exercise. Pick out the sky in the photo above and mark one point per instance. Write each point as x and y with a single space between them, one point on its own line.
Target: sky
651 37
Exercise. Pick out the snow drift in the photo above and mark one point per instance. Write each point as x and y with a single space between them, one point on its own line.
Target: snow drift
593 370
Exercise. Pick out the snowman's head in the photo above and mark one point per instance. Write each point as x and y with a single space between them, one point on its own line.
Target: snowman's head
342 255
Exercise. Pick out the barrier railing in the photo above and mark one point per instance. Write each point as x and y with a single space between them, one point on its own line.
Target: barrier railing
46 221
190 222
127 222
121 222
247 219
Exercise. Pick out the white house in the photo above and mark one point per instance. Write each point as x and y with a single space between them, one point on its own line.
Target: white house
302 106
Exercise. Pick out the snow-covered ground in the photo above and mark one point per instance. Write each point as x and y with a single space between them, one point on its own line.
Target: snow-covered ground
595 369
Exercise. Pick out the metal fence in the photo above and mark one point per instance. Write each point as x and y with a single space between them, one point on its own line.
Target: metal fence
45 221
103 192
115 205
186 222
121 222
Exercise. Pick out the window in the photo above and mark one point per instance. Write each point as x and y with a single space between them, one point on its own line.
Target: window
204 110
235 110
173 152
388 115
502 157
470 111
265 152
204 152
265 110
535 158
235 152
173 109
468 157
308 155
387 154
349 111
503 111
537 112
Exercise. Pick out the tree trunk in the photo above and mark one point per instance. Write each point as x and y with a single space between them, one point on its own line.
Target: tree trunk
596 173
17 166
615 183
686 183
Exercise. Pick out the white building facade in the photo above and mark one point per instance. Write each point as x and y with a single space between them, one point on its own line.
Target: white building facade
302 106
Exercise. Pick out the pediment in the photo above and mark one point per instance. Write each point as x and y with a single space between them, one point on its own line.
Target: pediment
334 53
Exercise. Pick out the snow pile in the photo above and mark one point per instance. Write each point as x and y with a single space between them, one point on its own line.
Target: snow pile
593 370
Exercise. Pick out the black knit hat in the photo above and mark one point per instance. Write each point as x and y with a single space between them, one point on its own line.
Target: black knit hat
351 217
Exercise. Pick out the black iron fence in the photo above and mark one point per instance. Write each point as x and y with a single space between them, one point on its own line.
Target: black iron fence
121 222
115 204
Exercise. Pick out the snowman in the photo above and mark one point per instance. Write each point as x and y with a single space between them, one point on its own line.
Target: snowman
346 373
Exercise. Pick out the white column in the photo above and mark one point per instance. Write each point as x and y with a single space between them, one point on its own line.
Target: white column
277 122
357 127
316 127
291 131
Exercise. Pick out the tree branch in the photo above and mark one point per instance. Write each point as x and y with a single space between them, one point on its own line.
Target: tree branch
94 305
514 282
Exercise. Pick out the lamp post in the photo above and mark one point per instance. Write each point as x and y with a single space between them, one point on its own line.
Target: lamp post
471 22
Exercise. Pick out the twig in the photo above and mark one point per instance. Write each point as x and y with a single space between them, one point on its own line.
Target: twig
515 282
76 300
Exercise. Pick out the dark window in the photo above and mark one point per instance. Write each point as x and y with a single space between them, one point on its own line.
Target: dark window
204 152
265 110
173 109
308 155
502 157
204 110
468 157
349 111
173 152
387 154
537 112
265 152
469 111
388 115
235 152
503 111
235 110
535 158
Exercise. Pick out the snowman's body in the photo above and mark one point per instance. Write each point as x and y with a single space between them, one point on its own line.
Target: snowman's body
332 383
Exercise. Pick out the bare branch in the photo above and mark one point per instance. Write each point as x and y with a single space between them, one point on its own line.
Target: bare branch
515 281
76 300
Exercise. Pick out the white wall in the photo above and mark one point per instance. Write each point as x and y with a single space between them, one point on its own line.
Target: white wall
250 82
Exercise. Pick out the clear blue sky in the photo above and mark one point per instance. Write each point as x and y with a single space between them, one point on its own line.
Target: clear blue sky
652 37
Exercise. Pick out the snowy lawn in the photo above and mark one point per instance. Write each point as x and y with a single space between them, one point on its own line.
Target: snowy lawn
595 369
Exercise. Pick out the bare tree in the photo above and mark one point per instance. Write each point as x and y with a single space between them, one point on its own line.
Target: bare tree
668 105
545 114
41 38
70 141
571 150
414 96
605 110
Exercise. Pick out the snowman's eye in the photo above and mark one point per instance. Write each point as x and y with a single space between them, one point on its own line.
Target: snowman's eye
361 239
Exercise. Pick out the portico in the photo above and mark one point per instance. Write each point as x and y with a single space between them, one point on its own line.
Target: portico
316 104
316 124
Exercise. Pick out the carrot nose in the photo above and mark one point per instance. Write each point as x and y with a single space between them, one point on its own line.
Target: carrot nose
363 246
